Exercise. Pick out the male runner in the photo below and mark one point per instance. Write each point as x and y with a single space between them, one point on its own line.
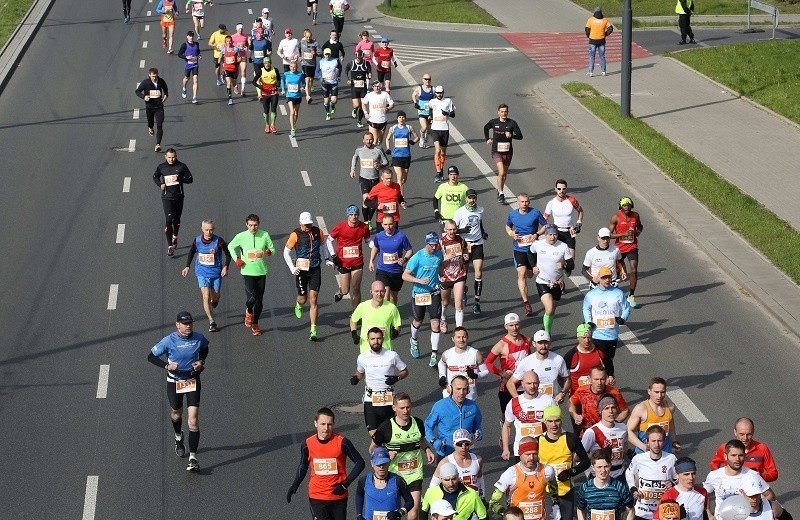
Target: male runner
250 247
392 250
468 464
451 413
358 73
564 208
524 484
288 48
602 496
260 50
657 410
524 415
549 366
423 270
399 139
376 104
170 176
348 255
504 131
626 226
382 493
524 225
369 160
337 9
650 474
217 43
242 43
584 402
606 308
190 53
306 241
209 268
441 108
583 357
386 198
155 92
608 434
231 57
553 258
469 220
461 359
198 14
309 52
291 83
512 348
449 196
329 70
375 312
421 97
603 254
757 455
454 272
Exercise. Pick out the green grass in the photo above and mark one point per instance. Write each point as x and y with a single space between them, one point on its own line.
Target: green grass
613 8
11 13
765 72
452 11
742 213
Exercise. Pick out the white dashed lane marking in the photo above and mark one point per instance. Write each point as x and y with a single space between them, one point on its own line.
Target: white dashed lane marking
90 497
126 185
144 44
113 292
685 405
132 145
102 381
306 179
120 233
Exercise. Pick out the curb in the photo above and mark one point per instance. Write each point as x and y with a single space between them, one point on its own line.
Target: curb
369 13
19 40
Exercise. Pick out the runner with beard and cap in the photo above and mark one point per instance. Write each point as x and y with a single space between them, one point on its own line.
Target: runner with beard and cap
551 368
469 221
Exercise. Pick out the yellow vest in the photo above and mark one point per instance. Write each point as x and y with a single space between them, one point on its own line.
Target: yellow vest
679 8
557 455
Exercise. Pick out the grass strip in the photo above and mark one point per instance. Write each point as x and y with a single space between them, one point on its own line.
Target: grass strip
613 8
11 13
450 11
763 229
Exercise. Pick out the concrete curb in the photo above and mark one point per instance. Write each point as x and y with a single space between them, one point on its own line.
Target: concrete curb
19 40
369 13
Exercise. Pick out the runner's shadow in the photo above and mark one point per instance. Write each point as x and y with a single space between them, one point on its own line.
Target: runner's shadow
700 380
203 144
666 333
680 293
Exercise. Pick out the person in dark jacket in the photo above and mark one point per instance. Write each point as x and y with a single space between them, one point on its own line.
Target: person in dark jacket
170 176
154 91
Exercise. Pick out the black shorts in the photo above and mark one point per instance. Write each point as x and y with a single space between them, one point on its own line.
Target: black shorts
393 281
440 136
450 285
308 70
366 184
348 270
414 486
231 74
401 162
328 509
631 255
555 290
374 416
434 310
358 93
378 126
330 90
476 252
609 346
310 3
191 72
524 259
384 76
176 400
504 397
310 280
568 239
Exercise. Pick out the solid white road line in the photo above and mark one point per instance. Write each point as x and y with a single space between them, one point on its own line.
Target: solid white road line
136 113
685 405
321 225
132 145
126 185
141 64
144 44
306 179
120 233
102 382
90 498
113 291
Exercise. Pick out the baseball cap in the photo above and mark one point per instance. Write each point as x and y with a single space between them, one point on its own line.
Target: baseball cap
551 229
327 52
265 10
352 209
448 469
471 193
239 26
552 411
432 238
452 169
438 88
604 232
184 317
583 328
461 435
222 27
511 317
541 335
752 487
190 33
380 456
604 271
384 40
305 218
364 33
442 508
287 30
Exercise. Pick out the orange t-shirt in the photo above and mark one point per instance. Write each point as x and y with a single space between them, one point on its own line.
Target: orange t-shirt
387 195
327 462
597 27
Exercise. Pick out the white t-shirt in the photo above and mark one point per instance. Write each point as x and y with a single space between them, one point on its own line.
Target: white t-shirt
546 258
616 438
652 478
377 104
562 211
724 486
527 414
596 258
456 364
376 367
439 109
471 220
289 49
548 369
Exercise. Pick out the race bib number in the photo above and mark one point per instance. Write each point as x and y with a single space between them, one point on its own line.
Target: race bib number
293 88
583 381
191 59
170 180
350 252
185 387
617 454
255 255
531 429
304 264
384 64
407 466
230 60
503 147
424 105
401 142
390 207
546 388
205 258
155 94
382 398
602 514
326 466
525 240
258 54
379 515
367 163
469 247
453 249
358 83
605 323
390 258
532 510
558 468
440 119
330 78
308 55
422 299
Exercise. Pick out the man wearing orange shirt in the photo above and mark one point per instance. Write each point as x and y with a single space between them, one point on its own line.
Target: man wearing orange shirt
757 456
583 403
386 197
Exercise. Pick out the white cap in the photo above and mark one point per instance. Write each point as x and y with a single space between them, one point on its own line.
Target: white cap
448 469
265 10
752 487
604 232
305 218
511 317
442 507
460 435
438 88
541 335
239 26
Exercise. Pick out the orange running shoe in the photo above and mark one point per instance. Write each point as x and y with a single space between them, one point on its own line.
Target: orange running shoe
248 318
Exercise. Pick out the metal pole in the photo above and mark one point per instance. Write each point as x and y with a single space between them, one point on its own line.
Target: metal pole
627 37
387 3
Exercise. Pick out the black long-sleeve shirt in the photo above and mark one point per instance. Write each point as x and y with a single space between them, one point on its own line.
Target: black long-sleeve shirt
173 176
146 86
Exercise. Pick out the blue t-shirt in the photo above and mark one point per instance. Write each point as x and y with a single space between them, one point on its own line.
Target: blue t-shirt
263 46
294 79
397 244
180 350
405 135
424 265
526 224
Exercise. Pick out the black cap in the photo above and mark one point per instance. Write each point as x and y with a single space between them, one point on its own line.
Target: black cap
471 193
452 169
223 27
184 317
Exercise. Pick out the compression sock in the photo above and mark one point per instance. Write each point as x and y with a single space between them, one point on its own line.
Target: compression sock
414 332
370 214
272 116
478 289
547 322
266 122
459 317
365 213
177 427
435 341
194 441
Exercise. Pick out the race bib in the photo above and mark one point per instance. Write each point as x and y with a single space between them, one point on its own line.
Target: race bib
325 466
367 163
230 59
453 249
469 247
255 255
382 398
531 429
602 514
258 54
308 55
605 323
532 510
155 94
408 465
205 258
423 105
503 147
358 83
440 118
390 258
293 88
384 64
390 207
170 180
546 388
191 59
185 387
379 515
401 142
330 78
350 252
525 240
583 381
422 299
304 264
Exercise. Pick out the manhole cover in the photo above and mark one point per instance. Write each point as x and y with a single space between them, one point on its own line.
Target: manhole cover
349 408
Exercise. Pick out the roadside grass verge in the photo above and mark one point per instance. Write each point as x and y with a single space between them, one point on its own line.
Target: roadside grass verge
613 8
450 11
11 13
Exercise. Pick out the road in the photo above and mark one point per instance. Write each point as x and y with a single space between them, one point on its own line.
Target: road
67 123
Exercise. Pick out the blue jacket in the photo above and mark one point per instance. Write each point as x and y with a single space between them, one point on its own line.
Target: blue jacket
446 417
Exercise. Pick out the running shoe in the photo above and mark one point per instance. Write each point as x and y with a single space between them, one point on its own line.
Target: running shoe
443 325
199 37
439 177
212 327
170 51
434 360
528 309
256 329
313 335
194 99
415 349
273 129
308 99
292 133
266 129
338 296
214 304
371 226
333 108
180 449
127 19
353 113
175 241
241 91
219 82
157 148
632 301
170 250
327 116
236 89
476 308
248 318
151 132
193 466
501 198
359 125
298 310
230 101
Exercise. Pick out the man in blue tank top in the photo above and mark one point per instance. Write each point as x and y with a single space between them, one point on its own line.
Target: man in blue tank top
381 494
209 268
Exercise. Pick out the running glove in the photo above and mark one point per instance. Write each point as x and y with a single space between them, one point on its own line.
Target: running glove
443 382
340 489
471 373
393 515
620 320
354 380
394 333
391 380
239 262
354 334
292 491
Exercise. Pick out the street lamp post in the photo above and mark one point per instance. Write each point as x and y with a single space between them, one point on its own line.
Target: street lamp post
627 36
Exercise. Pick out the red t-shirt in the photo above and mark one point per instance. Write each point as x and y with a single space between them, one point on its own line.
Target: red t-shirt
383 59
348 243
387 194
580 365
757 457
626 245
588 403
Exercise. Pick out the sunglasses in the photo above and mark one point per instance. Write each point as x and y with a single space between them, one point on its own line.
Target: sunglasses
463 443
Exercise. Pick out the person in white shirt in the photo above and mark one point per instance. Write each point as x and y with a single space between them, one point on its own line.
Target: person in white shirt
469 220
730 478
604 254
690 499
650 474
288 48
564 208
441 108
553 257
524 413
608 434
549 366
464 360
376 104
468 464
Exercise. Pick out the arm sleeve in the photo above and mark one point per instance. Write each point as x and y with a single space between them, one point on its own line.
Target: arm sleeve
405 494
490 363
182 51
576 447
355 456
192 252
287 257
360 495
203 354
224 246
302 468
157 361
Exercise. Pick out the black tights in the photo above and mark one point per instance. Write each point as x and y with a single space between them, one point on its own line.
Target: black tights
254 289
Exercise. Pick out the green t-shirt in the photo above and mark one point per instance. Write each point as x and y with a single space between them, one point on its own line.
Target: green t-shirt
253 249
450 198
383 317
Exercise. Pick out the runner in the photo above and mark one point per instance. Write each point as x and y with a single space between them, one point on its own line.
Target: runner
524 415
469 220
311 10
510 350
603 254
209 268
198 15
387 198
504 131
168 11
549 366
403 436
584 356
691 499
380 369
553 258
757 455
468 464
268 24
608 434
291 83
358 73
337 9
126 11
326 452
250 247
309 51
524 484
306 241
329 69
242 43
727 480
370 160
186 353
441 108
268 85
392 249
524 225
217 43
190 53
365 45
381 493
375 312
421 96
401 137
336 47
423 270
348 256
260 50
605 308
650 474
454 272
288 48
658 411
376 104
626 226
155 92
383 58
461 360
468 503
602 496
170 176
449 196
231 57
563 208
584 402
449 414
